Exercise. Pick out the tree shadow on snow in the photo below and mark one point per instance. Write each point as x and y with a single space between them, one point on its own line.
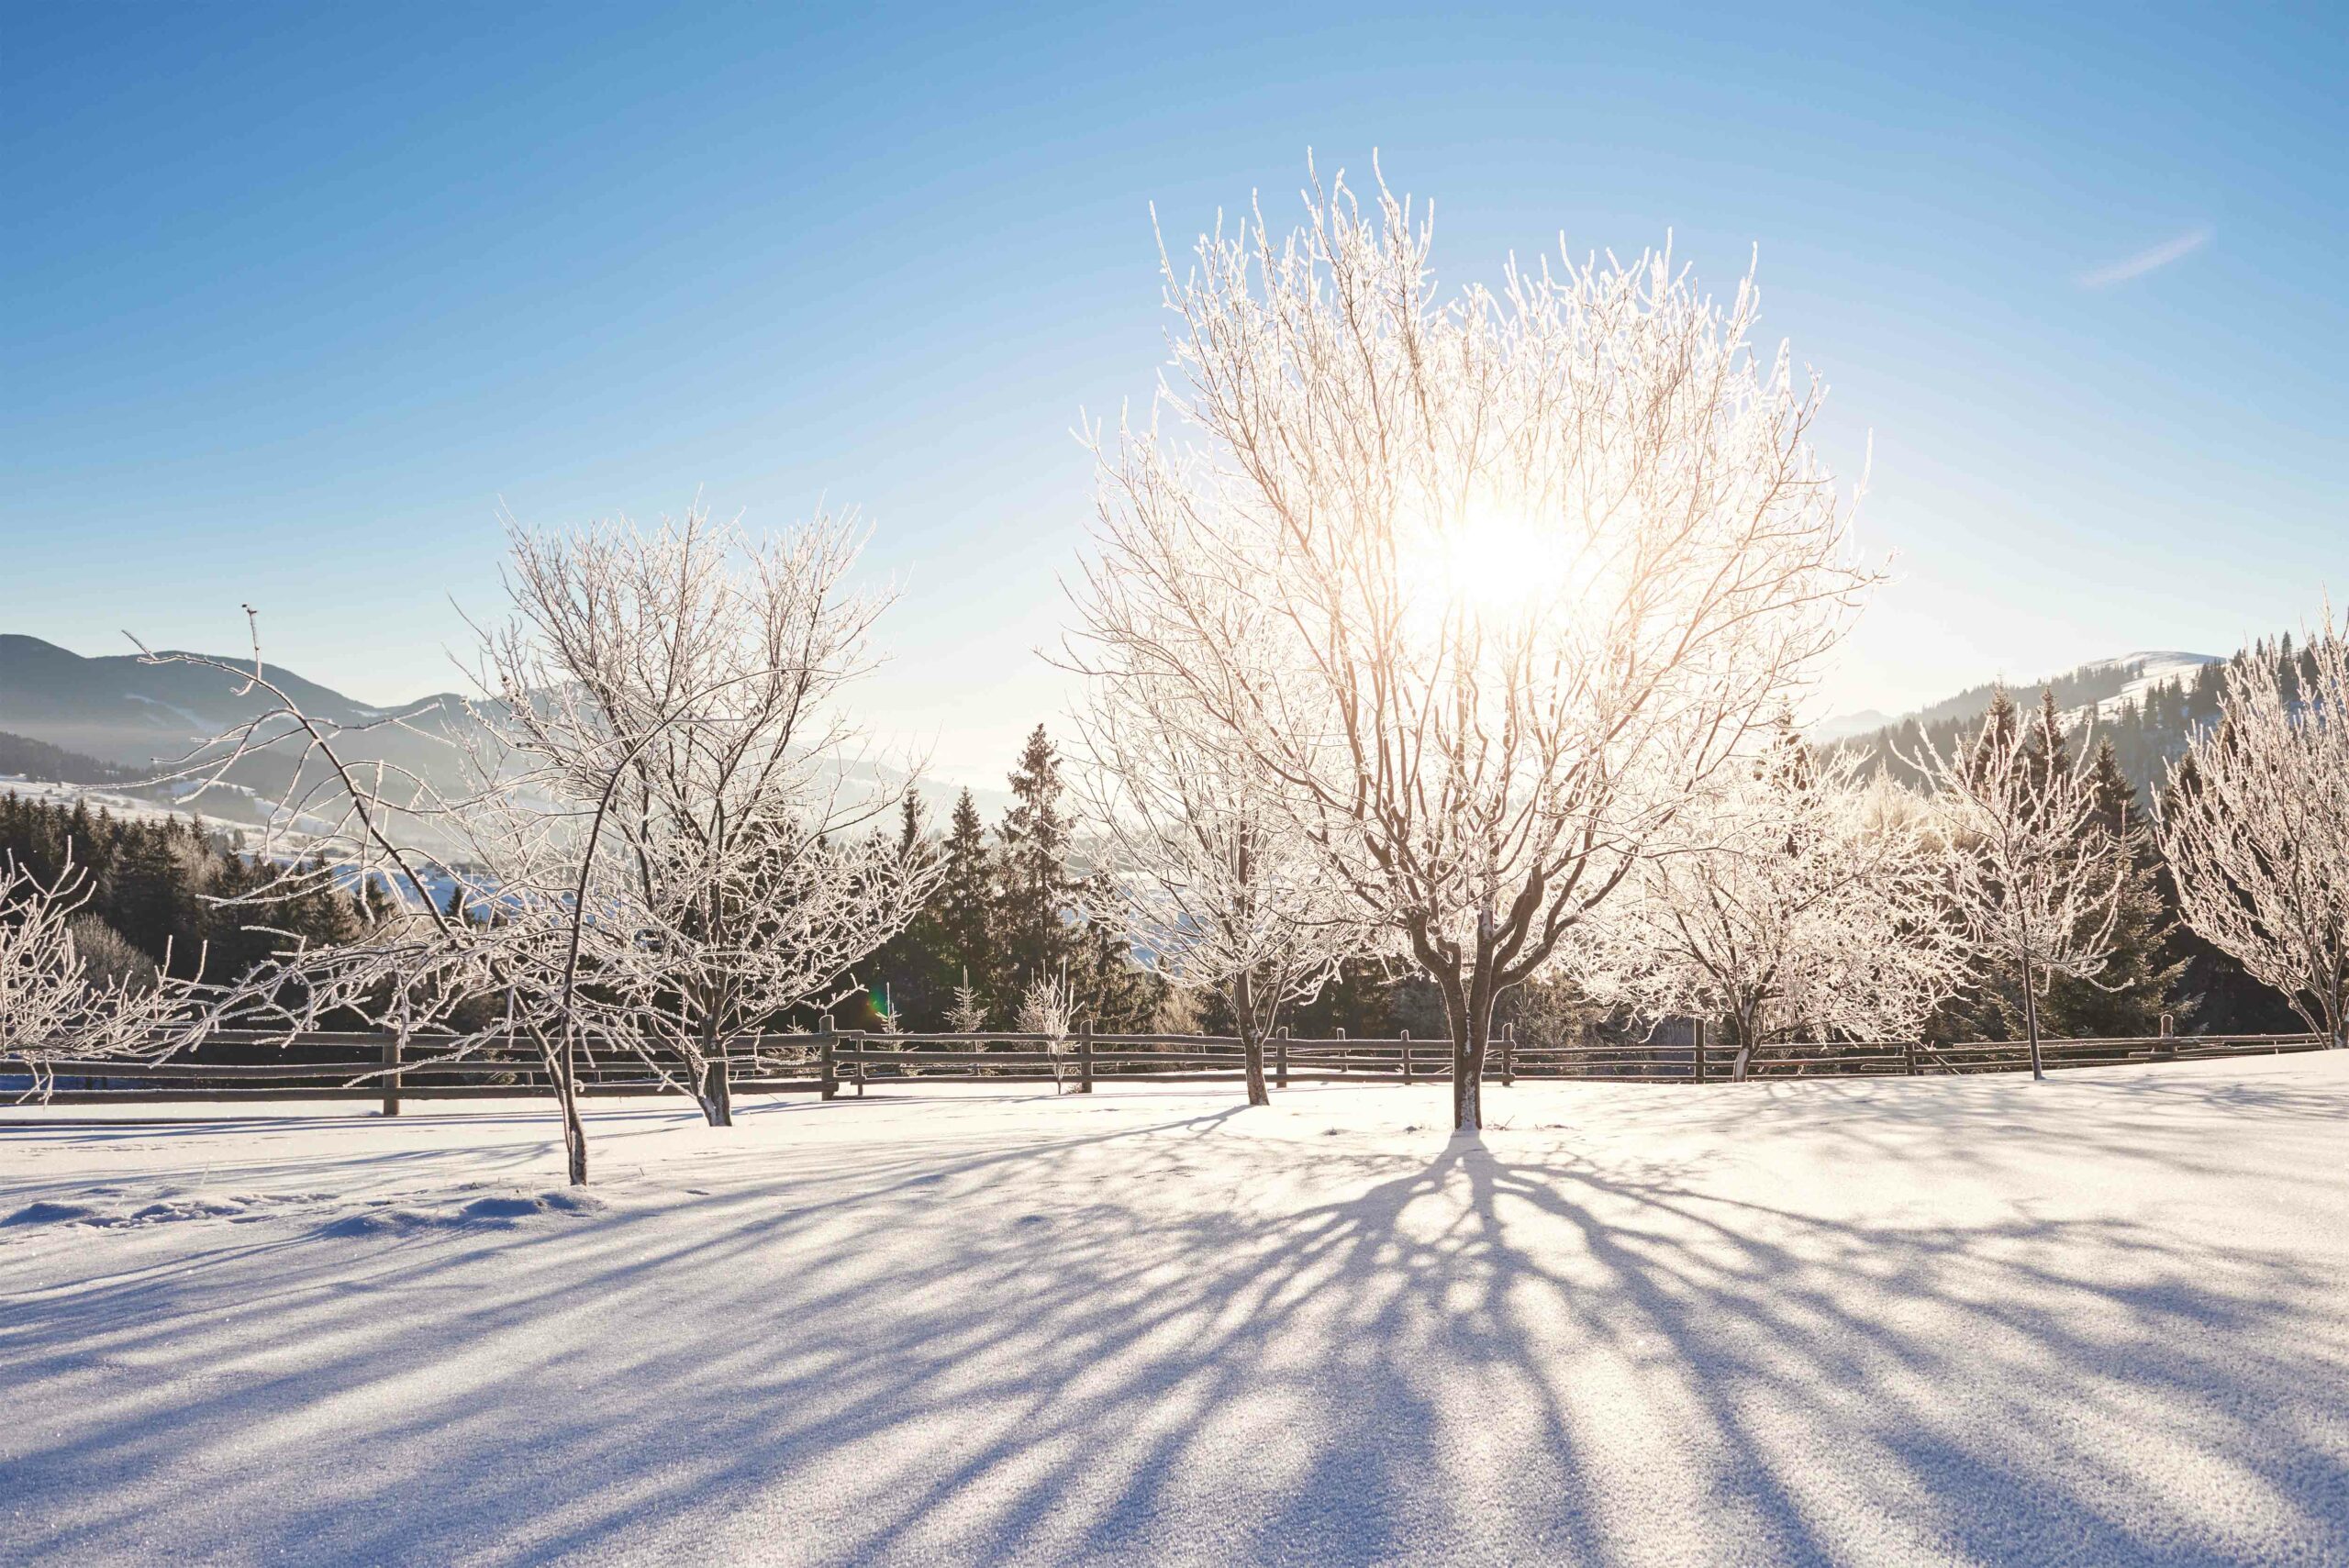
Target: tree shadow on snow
1174 1339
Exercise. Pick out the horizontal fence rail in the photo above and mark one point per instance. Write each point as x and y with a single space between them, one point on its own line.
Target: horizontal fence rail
232 1068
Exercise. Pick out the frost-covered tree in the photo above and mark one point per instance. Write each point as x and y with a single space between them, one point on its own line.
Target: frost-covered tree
2145 968
964 902
2035 876
650 787
1048 1008
687 678
430 973
966 1014
1485 587
2255 824
1210 880
55 1004
1792 899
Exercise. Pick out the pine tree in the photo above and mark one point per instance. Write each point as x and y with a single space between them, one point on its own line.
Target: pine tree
1113 993
150 897
1034 891
2141 979
963 904
913 974
1997 727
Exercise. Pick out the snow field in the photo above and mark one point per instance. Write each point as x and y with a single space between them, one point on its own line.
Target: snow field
2100 1319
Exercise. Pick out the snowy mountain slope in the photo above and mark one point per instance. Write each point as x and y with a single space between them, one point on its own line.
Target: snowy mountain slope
2145 671
2100 687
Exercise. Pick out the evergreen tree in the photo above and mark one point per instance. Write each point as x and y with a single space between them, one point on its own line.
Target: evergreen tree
963 905
2140 981
151 897
1035 893
913 974
1113 993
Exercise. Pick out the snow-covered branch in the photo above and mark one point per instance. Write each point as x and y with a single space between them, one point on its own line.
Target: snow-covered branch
2035 874
1213 884
1792 898
2255 824
686 679
54 1009
1485 588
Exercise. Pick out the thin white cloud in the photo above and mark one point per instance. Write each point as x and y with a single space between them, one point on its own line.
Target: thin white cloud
2147 261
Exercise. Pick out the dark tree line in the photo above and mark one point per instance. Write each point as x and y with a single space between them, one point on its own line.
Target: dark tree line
1009 911
1011 907
152 888
25 758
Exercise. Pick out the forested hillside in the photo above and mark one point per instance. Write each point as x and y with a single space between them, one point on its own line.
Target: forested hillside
22 757
2148 732
148 889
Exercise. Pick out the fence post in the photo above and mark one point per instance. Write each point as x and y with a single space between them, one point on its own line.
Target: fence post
1406 1056
392 1079
1700 1050
1085 1057
828 1076
2167 1050
1344 1064
1280 1057
1909 1057
1508 1054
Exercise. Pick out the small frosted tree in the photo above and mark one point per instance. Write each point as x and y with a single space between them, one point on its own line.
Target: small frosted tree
427 971
1486 587
686 679
1048 1009
55 1008
650 794
1794 899
2256 825
966 1014
2035 875
1206 873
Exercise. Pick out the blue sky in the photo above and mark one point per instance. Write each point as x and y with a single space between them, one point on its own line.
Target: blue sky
297 298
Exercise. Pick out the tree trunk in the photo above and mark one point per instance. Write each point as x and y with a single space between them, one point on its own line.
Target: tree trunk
715 1093
711 1090
574 1132
2030 1022
1471 1016
1243 998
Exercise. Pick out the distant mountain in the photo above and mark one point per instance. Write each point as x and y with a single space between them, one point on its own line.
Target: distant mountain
120 709
140 717
1843 726
114 719
2146 671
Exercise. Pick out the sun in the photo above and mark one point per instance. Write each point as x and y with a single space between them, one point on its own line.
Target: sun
1495 561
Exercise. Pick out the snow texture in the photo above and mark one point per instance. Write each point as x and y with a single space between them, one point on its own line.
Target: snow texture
2096 1320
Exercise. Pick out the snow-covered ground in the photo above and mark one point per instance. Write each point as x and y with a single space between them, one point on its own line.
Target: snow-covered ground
2103 1320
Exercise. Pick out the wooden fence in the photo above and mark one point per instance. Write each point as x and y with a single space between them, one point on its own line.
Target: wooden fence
829 1062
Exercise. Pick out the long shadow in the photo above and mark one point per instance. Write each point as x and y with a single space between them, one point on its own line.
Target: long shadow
1171 1339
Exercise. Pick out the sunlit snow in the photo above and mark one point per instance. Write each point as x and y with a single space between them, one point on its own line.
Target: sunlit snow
1927 1321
